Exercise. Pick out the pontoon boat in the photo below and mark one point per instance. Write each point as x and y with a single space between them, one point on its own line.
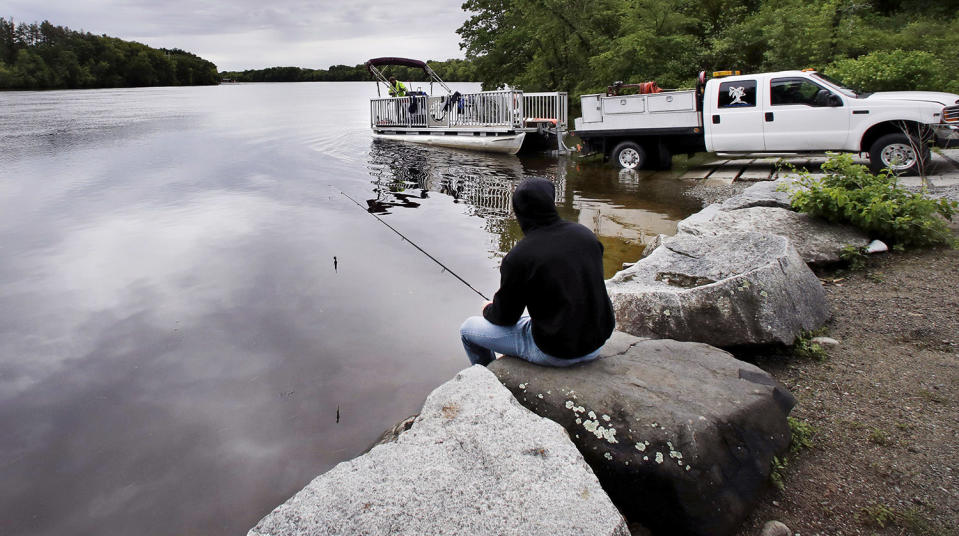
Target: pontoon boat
504 121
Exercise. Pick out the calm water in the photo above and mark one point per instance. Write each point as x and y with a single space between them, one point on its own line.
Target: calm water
175 340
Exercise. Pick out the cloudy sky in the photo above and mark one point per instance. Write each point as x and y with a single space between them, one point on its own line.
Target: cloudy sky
252 34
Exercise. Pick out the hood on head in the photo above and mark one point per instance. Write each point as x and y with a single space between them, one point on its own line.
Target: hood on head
533 203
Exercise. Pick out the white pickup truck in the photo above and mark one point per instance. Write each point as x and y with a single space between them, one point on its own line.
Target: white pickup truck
785 112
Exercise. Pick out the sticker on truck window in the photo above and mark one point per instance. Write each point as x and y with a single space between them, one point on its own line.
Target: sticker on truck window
738 94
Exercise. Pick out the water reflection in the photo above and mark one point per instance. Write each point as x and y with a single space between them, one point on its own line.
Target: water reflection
483 182
625 208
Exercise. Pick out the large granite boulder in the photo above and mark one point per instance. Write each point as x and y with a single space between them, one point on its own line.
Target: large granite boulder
727 290
762 194
680 434
817 241
474 462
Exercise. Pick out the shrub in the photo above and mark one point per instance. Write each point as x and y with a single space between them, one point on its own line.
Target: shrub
891 70
849 193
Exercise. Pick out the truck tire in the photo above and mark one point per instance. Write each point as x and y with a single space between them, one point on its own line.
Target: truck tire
896 152
630 155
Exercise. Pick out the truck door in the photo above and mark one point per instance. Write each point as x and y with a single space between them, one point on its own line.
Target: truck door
734 120
801 115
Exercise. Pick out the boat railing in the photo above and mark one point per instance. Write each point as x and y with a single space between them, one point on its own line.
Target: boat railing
408 112
511 109
546 107
481 109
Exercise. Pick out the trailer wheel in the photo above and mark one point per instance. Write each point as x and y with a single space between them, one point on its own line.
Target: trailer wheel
897 152
629 155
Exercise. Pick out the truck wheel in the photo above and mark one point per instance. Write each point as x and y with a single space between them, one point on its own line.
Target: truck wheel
629 155
896 152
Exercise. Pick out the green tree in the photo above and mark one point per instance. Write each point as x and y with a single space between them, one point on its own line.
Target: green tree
44 56
891 71
140 71
31 72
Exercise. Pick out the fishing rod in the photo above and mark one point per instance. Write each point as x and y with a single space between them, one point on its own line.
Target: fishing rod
423 251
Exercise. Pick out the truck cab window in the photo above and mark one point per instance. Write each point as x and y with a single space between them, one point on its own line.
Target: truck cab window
737 94
785 91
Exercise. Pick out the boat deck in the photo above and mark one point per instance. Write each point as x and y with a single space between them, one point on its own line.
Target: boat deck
482 112
497 121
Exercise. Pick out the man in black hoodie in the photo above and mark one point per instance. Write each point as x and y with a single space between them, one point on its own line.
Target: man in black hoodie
556 272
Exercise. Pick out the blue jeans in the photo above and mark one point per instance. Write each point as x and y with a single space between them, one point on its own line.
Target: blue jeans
481 338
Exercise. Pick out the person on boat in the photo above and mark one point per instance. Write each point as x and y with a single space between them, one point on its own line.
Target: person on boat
556 272
397 88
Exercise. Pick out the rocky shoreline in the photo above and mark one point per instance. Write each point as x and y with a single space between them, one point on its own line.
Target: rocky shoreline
679 445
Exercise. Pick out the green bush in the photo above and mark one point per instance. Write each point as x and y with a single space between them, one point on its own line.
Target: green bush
892 70
849 193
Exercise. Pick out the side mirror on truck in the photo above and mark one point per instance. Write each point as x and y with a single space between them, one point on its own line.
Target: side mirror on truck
824 97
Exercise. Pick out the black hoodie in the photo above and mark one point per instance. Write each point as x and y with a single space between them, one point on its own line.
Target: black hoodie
556 271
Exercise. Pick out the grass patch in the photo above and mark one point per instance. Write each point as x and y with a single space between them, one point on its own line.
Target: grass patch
801 434
879 514
911 519
932 396
855 425
878 437
806 349
853 257
904 426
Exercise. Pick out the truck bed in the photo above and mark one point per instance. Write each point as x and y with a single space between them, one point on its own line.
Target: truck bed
665 110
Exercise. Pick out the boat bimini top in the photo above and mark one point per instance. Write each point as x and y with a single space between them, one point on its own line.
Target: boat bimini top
372 65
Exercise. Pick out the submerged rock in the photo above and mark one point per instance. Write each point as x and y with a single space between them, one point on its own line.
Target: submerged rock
474 462
727 290
680 434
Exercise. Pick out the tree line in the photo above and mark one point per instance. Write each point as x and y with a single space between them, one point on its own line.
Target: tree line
44 56
581 46
453 70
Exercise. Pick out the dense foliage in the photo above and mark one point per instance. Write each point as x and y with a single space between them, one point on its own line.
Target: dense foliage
44 56
848 192
454 70
584 45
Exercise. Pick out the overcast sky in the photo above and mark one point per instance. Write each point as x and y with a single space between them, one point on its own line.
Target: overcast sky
252 34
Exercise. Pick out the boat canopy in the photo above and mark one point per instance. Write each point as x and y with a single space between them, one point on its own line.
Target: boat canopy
405 62
372 65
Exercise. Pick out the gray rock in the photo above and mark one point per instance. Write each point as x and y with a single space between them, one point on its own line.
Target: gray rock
474 462
817 241
680 434
775 528
727 290
825 342
651 247
762 194
877 246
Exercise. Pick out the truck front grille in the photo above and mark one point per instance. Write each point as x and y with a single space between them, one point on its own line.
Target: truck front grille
950 114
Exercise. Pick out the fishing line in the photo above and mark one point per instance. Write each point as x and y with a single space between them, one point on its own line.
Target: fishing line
423 251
